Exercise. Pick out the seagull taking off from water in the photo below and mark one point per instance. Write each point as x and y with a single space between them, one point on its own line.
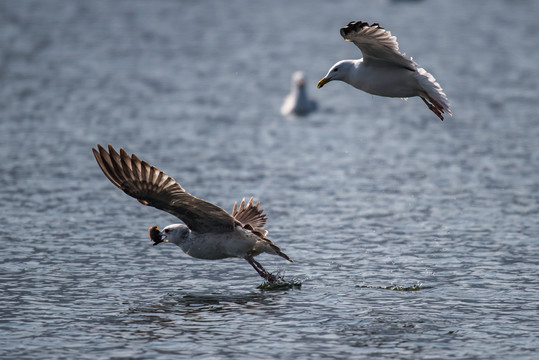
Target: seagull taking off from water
383 70
209 232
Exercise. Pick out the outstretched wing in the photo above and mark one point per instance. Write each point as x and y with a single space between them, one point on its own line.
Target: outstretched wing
254 219
152 187
376 44
250 215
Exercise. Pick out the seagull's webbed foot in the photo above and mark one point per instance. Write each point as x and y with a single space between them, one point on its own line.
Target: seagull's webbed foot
435 107
260 270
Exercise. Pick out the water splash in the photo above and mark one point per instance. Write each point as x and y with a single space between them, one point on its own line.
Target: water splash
415 287
280 284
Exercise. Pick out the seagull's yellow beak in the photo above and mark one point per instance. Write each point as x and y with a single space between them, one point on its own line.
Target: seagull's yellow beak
323 82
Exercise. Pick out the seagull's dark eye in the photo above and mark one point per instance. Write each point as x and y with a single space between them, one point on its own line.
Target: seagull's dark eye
167 230
335 69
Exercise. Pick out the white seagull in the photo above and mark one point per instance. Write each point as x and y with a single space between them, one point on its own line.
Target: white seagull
383 70
209 232
297 102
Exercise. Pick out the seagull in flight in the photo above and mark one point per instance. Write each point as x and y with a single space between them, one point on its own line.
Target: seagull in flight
209 232
383 70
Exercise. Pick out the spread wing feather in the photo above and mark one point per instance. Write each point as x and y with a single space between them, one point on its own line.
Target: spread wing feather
250 215
152 187
376 44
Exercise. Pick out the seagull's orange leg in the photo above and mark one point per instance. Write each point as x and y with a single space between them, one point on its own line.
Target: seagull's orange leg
435 107
260 270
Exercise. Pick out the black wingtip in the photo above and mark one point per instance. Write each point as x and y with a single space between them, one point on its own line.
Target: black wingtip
355 26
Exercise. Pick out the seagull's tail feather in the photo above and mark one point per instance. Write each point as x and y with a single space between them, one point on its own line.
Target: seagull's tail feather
270 248
433 95
280 253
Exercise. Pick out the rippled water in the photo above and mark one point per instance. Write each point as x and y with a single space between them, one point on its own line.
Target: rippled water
365 194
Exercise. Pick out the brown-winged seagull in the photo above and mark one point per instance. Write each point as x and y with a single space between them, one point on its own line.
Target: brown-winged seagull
383 70
209 232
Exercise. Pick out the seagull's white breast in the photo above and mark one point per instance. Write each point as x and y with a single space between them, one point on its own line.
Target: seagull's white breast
390 81
213 246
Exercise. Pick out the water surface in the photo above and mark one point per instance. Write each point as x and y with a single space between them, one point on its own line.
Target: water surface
366 194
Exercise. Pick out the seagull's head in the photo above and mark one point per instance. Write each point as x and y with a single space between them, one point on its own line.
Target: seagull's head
175 233
298 78
339 71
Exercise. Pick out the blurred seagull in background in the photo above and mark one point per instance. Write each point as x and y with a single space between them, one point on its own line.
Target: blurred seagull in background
209 232
297 101
383 70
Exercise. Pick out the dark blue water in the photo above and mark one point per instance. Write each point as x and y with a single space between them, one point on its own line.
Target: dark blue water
366 194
